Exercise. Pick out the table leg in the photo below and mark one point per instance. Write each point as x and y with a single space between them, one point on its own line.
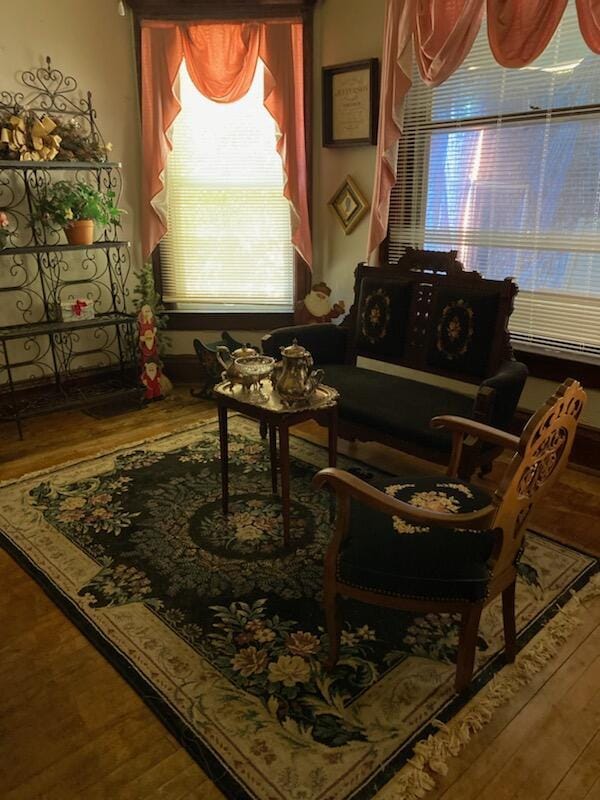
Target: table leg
224 459
284 464
333 436
273 449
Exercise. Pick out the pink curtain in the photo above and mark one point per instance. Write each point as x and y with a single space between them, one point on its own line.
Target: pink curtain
281 51
441 40
221 60
518 30
395 83
441 36
588 12
161 56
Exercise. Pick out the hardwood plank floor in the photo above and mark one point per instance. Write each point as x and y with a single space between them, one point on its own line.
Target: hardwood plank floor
71 727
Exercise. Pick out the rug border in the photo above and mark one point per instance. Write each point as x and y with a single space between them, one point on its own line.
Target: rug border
199 751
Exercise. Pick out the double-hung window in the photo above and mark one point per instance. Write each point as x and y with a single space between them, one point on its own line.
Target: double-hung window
228 246
504 165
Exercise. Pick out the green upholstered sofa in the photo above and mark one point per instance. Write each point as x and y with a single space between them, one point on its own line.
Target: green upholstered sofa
428 314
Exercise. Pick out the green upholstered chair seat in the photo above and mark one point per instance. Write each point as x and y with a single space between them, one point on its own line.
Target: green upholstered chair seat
389 556
394 405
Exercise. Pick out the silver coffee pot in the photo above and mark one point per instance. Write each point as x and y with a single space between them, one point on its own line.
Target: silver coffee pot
294 377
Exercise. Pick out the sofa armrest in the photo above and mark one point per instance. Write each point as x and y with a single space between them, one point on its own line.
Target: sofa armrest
326 342
507 385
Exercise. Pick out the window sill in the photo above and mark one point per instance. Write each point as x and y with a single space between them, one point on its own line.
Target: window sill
555 366
231 320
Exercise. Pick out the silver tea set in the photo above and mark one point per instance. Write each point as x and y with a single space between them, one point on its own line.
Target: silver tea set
293 378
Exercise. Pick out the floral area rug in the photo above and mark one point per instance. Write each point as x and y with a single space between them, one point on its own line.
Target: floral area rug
220 628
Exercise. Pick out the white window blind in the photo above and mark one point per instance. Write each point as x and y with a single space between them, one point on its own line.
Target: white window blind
228 247
504 165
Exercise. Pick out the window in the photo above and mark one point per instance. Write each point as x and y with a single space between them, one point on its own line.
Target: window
229 242
504 165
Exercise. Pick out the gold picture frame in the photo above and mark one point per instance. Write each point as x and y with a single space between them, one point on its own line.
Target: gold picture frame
349 205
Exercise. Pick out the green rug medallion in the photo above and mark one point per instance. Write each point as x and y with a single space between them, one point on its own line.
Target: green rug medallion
220 627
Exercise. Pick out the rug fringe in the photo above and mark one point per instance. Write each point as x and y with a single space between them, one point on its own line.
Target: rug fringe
431 755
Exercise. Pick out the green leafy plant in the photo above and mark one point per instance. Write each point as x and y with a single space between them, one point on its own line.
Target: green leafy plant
64 202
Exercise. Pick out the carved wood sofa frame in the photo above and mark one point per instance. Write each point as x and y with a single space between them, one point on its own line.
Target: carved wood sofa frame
426 276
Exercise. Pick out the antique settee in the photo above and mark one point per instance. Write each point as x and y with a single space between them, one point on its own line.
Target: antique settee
427 314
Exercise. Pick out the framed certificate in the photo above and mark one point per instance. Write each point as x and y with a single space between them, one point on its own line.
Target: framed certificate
350 103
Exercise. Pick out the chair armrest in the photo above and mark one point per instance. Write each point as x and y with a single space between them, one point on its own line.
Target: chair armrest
347 486
507 384
326 342
478 429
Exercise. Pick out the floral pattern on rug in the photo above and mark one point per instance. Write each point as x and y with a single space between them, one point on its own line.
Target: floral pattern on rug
225 624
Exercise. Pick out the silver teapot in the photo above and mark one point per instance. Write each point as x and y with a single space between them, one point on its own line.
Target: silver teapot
294 377
231 371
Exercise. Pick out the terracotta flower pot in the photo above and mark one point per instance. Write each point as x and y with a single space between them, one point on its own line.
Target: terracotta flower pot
80 231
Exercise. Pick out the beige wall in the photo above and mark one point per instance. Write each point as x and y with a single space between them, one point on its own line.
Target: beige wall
345 30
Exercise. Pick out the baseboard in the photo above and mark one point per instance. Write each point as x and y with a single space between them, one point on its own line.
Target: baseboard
184 368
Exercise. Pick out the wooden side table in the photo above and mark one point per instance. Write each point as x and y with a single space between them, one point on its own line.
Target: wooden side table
277 417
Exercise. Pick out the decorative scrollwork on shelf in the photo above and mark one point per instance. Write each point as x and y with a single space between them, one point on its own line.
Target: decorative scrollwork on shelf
57 95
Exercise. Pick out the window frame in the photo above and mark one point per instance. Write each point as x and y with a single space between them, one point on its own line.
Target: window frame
238 10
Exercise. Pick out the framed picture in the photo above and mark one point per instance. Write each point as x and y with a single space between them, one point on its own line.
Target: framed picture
349 205
351 103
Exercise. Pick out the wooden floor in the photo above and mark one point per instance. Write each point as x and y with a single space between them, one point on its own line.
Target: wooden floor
70 727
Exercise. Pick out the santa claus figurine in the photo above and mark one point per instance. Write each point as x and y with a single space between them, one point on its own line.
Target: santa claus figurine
150 377
316 306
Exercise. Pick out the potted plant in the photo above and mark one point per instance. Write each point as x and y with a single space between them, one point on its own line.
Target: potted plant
75 207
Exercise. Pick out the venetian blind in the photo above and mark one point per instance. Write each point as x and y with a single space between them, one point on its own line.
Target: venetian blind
228 246
504 165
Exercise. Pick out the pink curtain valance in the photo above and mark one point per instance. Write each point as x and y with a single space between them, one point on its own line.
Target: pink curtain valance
221 60
440 36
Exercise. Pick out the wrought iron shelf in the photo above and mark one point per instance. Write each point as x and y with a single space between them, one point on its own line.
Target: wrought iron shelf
39 348
45 328
58 165
62 248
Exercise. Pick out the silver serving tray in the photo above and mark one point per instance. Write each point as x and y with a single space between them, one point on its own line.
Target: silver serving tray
322 397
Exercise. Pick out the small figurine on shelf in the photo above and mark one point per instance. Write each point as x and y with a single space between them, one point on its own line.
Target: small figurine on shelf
316 306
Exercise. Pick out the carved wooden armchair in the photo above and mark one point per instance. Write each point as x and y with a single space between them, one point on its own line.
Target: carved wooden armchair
442 545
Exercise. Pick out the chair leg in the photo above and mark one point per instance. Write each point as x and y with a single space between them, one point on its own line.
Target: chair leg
333 622
466 647
510 625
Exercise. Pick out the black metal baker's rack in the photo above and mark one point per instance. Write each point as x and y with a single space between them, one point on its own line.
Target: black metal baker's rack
45 364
